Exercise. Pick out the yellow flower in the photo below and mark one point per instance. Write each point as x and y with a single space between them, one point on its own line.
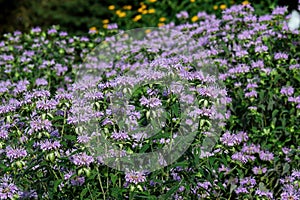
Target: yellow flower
160 24
140 10
152 10
145 12
162 19
223 7
118 12
93 28
105 21
105 26
148 31
245 3
215 7
127 7
195 18
122 14
111 7
152 1
192 1
137 18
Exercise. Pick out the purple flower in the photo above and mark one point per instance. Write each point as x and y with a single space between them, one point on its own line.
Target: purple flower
41 81
280 55
259 170
266 156
83 139
78 181
152 102
241 189
288 90
239 156
261 193
250 94
32 194
39 124
112 26
182 15
121 135
251 149
48 145
135 177
36 30
8 190
3 134
52 31
279 10
46 104
82 159
14 153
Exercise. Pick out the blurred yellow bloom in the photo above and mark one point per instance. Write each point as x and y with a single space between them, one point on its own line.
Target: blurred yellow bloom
105 21
145 12
140 10
148 31
152 10
195 18
192 1
111 7
105 26
137 18
93 28
152 1
118 12
160 24
127 7
162 19
232 2
122 14
215 7
223 7
245 3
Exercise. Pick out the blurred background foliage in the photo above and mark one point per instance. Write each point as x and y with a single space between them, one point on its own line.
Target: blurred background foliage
79 16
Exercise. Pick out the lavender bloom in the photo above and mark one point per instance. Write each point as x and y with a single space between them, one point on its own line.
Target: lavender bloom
279 56
240 190
41 82
32 194
62 34
78 181
14 153
3 134
82 159
239 156
48 145
52 31
182 15
39 124
122 135
250 94
266 156
83 139
259 170
46 104
279 10
288 91
135 177
8 190
261 193
112 26
251 149
36 30
152 102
